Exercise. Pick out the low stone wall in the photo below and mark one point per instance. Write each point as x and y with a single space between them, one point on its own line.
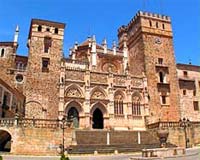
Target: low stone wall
177 134
39 141
36 136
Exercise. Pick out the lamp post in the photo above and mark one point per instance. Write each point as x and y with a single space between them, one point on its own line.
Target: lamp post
63 135
65 122
185 123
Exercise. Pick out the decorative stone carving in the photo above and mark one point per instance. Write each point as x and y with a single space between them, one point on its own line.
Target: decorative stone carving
98 95
109 67
74 92
118 97
136 98
137 82
96 77
119 80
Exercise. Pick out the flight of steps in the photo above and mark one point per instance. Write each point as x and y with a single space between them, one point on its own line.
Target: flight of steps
121 141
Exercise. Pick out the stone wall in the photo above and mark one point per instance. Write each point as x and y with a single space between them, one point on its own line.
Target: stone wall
149 38
42 93
177 133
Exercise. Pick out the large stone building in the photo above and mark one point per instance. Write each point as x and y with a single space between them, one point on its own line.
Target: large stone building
134 83
127 87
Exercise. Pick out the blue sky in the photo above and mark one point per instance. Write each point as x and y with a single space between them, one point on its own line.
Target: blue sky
102 18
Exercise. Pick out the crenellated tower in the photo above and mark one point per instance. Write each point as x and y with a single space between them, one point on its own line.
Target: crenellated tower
45 45
149 40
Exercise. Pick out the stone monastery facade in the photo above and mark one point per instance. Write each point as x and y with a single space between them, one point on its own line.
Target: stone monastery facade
135 83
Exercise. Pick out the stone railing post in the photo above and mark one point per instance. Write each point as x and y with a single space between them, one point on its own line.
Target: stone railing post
16 122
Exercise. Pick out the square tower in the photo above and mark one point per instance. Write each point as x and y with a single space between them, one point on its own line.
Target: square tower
150 44
45 45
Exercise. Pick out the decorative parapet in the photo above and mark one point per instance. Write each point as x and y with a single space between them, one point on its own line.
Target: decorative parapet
98 77
32 122
75 64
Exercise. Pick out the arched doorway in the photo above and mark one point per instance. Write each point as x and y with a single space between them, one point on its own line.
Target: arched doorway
74 116
97 119
5 141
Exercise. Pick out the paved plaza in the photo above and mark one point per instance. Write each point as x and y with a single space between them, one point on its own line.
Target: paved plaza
191 154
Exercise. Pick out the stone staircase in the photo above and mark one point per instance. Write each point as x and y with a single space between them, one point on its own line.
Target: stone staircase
102 141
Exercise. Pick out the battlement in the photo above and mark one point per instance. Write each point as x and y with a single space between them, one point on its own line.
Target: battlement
38 26
141 14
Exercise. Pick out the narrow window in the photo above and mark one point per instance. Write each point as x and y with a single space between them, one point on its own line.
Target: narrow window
185 73
163 99
157 25
163 26
136 106
184 92
48 29
161 77
194 93
56 31
150 23
47 44
196 105
39 28
45 64
160 60
118 105
2 52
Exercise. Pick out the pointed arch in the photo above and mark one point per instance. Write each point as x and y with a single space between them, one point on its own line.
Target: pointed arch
136 103
73 109
99 105
74 90
118 102
75 104
98 93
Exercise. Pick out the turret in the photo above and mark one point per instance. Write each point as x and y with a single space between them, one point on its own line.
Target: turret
16 34
93 52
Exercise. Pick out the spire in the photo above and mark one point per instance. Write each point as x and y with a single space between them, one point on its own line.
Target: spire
16 34
104 44
114 48
93 51
125 50
93 44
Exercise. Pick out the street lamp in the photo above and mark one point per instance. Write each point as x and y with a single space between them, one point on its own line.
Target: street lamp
65 122
184 123
63 134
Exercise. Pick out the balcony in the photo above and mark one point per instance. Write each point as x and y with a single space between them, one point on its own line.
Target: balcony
163 86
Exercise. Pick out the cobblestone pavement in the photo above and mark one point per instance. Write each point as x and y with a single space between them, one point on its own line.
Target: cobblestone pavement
192 154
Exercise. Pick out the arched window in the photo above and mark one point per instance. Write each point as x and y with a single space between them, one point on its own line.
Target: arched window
2 52
136 109
56 31
118 104
39 28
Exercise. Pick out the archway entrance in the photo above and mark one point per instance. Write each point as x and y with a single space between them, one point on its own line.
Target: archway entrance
74 116
97 119
5 141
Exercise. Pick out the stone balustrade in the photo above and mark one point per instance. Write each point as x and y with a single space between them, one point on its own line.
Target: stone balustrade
37 123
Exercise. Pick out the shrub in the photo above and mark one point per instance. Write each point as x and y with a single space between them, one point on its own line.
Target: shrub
62 157
1 158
